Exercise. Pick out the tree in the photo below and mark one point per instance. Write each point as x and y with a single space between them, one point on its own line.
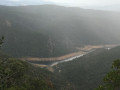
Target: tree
1 41
112 79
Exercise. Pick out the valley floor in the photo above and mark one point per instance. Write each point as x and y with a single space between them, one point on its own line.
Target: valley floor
56 60
81 51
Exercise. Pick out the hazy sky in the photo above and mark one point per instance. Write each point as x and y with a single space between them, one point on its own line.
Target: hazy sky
96 4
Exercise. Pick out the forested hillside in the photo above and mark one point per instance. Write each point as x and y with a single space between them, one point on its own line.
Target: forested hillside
16 74
20 75
48 31
87 72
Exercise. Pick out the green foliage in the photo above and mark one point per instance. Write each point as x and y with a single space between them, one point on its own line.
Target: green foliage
18 75
88 71
17 88
11 71
1 41
112 79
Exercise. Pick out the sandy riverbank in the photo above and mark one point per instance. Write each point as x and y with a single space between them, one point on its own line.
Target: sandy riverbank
81 51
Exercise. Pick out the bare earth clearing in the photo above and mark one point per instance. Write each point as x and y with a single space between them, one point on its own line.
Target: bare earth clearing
81 51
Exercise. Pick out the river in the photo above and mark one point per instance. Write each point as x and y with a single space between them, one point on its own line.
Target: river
66 60
49 64
72 58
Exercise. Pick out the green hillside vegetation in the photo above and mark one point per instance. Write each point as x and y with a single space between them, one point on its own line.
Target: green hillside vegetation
87 72
20 75
1 41
50 31
112 79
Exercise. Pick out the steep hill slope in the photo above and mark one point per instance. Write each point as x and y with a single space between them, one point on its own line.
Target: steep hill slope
88 71
47 31
20 75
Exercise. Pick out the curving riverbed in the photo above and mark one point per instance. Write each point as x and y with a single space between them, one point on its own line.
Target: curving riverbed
49 64
80 51
66 60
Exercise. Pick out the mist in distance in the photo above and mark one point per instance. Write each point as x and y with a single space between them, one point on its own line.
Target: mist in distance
111 5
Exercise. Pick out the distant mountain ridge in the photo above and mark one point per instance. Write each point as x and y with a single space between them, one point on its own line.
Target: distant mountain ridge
48 31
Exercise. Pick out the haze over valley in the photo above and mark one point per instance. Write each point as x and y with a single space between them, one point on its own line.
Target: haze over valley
49 31
58 46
